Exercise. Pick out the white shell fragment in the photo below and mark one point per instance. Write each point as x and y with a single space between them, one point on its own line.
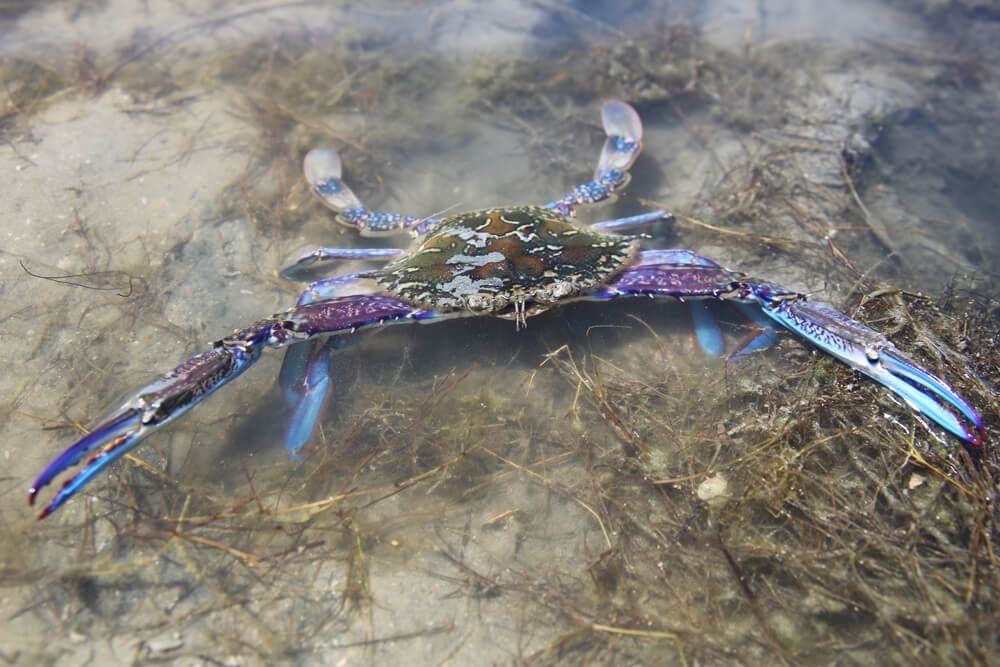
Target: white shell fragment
713 489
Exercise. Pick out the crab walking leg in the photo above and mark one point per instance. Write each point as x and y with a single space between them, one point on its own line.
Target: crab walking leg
305 371
686 266
298 370
699 279
348 284
767 335
305 380
869 352
621 148
683 275
630 222
706 327
176 392
323 171
309 260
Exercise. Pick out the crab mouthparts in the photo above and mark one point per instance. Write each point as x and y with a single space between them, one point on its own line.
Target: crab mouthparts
520 306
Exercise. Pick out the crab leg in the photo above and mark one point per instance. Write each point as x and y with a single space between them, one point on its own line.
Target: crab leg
632 221
868 352
621 148
683 275
706 327
305 379
309 260
766 336
305 370
176 392
323 172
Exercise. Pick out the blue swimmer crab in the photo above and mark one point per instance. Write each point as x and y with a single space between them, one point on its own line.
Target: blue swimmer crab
510 262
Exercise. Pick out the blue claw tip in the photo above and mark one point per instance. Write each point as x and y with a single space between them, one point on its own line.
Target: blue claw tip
706 328
125 419
926 390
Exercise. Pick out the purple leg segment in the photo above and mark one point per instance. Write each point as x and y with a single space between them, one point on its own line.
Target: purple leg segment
683 275
176 392
677 273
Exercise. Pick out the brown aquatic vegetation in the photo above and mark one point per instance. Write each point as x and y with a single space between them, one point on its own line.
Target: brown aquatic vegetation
554 481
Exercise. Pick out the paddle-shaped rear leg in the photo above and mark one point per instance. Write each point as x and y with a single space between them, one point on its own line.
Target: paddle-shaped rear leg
621 148
323 171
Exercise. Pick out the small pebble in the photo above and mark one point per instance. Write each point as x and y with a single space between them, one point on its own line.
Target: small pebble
164 644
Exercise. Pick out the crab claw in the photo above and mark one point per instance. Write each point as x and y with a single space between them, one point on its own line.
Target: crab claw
159 403
624 142
323 172
176 392
870 353
106 440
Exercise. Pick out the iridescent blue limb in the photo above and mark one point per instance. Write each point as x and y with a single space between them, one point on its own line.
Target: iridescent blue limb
698 280
323 171
869 352
348 284
307 384
621 148
315 390
305 371
590 192
293 370
766 335
685 275
647 218
304 366
162 401
305 379
308 260
681 274
176 392
706 327
373 223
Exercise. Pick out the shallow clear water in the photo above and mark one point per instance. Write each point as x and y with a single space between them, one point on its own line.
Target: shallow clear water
480 500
